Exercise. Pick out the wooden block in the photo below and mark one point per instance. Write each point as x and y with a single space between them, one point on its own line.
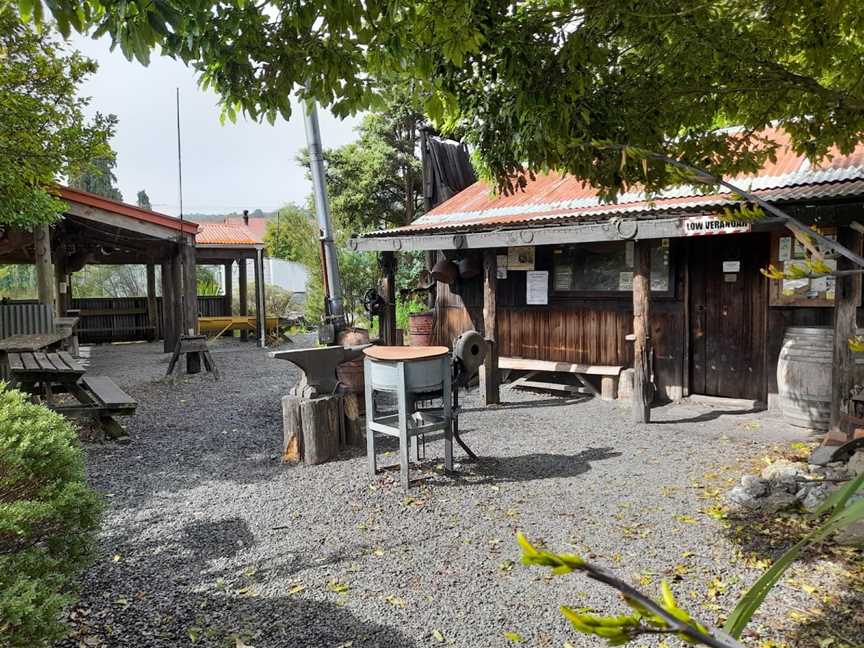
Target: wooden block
292 429
322 420
608 387
355 423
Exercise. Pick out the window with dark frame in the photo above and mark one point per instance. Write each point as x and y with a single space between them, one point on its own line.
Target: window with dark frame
606 267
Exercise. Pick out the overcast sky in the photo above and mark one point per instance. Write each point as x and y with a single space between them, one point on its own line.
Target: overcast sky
225 168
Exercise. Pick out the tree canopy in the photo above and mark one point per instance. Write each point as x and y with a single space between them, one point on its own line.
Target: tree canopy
43 132
99 178
143 200
531 85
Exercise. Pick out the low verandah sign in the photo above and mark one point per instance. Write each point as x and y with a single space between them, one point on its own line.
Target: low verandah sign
703 225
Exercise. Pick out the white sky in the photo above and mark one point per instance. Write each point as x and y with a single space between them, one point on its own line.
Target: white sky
225 168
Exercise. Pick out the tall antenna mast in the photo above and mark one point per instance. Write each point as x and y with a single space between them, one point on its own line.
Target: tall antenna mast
181 240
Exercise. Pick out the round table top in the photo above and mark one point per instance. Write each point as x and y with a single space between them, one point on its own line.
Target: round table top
405 353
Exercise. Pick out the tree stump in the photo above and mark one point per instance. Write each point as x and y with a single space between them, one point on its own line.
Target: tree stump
313 428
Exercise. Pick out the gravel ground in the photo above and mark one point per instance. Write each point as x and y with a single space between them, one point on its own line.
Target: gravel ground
208 538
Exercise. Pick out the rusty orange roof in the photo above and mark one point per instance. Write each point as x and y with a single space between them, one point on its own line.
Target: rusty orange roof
123 209
228 235
554 198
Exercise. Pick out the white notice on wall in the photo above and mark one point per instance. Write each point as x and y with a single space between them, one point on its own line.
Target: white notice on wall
731 266
537 287
784 252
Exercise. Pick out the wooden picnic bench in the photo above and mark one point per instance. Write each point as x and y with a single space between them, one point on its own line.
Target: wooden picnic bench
609 375
46 375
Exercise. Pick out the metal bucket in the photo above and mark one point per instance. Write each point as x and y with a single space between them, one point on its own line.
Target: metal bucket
804 376
423 375
420 328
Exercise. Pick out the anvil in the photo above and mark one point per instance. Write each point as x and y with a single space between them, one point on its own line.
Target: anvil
319 364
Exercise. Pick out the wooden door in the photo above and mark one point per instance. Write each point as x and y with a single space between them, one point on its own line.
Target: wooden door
728 315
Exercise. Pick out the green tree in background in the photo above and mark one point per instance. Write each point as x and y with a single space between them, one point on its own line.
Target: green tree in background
110 281
17 281
377 181
43 132
292 235
143 200
98 178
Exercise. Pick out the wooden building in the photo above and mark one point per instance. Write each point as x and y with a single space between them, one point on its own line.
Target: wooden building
560 272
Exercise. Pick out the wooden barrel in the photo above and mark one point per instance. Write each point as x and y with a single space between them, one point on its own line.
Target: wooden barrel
420 328
350 373
804 376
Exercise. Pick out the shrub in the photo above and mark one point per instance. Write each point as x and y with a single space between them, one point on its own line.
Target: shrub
47 518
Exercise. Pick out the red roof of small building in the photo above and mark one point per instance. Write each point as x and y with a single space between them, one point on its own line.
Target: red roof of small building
230 235
257 224
553 198
123 209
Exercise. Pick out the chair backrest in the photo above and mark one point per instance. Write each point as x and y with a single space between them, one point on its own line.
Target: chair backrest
25 319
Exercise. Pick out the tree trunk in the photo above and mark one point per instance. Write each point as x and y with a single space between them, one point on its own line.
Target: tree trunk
847 292
489 375
322 428
642 389
44 267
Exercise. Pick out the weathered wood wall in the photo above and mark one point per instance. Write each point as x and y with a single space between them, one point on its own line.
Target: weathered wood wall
125 319
590 330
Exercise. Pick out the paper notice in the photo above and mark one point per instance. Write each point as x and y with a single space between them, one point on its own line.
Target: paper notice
537 287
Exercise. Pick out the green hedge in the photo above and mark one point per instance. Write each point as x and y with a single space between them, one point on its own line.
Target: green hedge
48 515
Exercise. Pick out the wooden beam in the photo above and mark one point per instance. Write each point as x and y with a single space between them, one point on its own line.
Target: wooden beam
229 287
152 309
44 267
642 390
243 289
607 230
120 221
489 376
846 296
387 319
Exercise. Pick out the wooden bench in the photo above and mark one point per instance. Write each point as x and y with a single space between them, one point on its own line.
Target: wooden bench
100 398
609 375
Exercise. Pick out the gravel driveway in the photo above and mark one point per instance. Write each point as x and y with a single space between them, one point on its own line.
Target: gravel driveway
209 540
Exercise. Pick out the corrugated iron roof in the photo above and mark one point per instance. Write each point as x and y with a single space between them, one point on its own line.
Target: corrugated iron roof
555 198
123 209
230 235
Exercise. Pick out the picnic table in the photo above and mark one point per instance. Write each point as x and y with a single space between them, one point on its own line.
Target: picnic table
46 375
32 341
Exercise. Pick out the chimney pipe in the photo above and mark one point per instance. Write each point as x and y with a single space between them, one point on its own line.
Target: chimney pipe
246 217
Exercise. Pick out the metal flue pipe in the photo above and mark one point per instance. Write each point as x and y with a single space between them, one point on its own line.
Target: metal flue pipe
332 280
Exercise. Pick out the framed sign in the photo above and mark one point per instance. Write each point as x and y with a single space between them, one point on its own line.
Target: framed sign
520 257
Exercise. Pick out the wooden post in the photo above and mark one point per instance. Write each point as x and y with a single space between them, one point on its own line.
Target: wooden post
190 302
170 325
260 307
152 310
846 295
387 319
489 375
60 287
44 267
642 390
243 288
229 289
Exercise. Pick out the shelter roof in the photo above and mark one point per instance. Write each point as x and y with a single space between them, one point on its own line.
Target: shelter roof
232 235
86 199
553 198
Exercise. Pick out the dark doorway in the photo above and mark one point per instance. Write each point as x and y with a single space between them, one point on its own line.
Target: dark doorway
728 315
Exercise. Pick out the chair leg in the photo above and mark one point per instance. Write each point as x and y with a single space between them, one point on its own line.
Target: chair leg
370 417
403 428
